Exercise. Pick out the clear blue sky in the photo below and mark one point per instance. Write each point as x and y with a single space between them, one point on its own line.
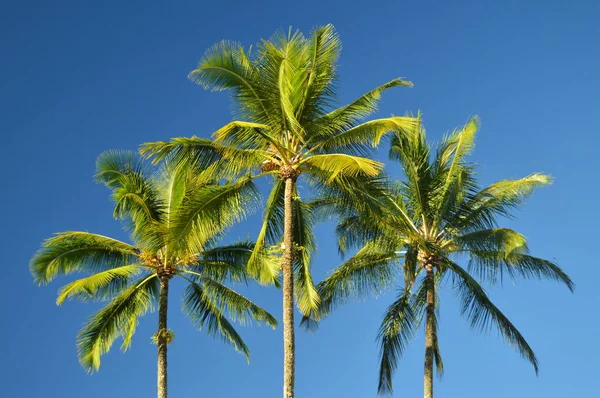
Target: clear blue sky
81 77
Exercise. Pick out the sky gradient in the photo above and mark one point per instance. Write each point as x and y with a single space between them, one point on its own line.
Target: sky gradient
82 77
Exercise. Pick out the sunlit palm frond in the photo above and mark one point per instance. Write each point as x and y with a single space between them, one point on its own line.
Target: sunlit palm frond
69 252
479 210
210 210
333 165
118 318
100 286
306 294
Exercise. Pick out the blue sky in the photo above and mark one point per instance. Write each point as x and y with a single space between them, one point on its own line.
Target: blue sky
82 77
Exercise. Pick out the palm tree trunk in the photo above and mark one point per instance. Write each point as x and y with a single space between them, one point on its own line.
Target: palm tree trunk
429 333
288 292
162 340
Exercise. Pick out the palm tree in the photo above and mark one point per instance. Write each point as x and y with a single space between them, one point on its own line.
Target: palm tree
175 218
287 128
422 229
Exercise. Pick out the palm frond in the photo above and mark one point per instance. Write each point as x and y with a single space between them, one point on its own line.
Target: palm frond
332 165
236 306
69 252
134 192
270 234
370 271
349 115
479 211
306 294
208 211
99 286
204 312
399 325
118 318
482 313
369 133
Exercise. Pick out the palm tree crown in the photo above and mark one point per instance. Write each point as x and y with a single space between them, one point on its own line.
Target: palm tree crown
422 229
287 126
175 218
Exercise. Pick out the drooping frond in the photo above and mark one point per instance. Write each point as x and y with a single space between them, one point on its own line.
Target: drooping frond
236 306
306 294
118 318
489 265
482 313
69 252
270 233
204 312
226 262
399 325
100 286
370 271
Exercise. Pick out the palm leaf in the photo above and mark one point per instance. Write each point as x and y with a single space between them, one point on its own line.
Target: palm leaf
99 286
481 312
204 312
118 318
69 252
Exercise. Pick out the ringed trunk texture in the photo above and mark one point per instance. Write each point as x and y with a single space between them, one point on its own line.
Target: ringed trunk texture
288 292
429 334
162 338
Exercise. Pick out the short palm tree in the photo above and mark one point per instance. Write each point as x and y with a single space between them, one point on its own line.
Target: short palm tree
284 92
420 231
175 218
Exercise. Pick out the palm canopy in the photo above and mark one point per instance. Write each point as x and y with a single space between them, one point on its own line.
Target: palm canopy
287 125
434 220
175 218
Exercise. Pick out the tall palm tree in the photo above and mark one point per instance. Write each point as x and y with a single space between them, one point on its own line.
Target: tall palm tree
421 230
175 218
287 128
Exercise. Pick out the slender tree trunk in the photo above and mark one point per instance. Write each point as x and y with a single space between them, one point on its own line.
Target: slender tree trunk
429 333
162 340
288 292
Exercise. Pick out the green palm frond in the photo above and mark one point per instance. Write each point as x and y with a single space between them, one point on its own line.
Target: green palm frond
324 51
306 294
226 262
204 312
369 133
236 306
99 286
69 252
482 313
370 271
270 234
210 210
399 325
479 210
118 318
333 165
349 115
134 192
489 265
